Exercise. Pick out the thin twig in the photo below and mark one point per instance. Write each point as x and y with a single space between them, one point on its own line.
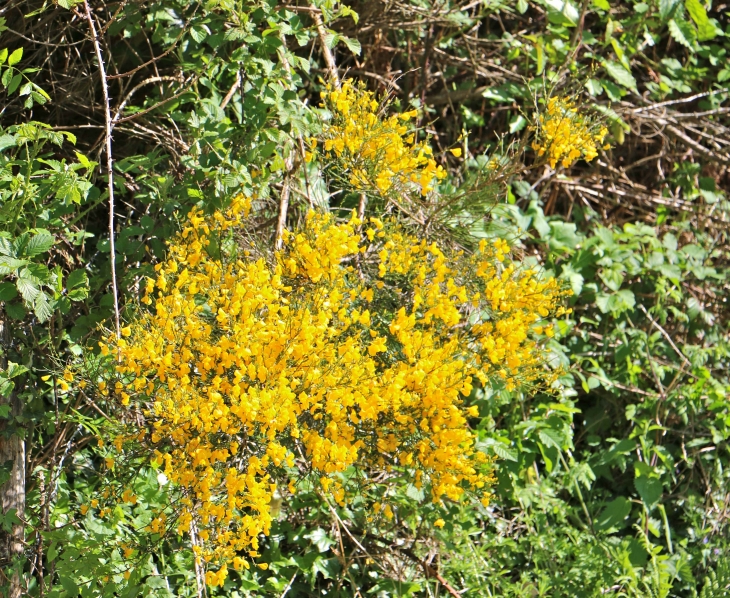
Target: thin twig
232 90
665 334
109 164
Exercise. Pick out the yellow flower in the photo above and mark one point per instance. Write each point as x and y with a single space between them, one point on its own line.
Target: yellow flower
439 523
456 152
290 355
378 152
564 135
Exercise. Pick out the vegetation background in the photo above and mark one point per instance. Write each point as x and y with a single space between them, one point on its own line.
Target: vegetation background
619 485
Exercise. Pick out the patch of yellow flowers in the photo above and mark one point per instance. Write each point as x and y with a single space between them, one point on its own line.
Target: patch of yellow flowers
374 152
353 347
564 135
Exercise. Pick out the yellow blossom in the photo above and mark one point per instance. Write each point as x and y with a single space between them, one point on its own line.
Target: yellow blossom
377 152
564 135
247 363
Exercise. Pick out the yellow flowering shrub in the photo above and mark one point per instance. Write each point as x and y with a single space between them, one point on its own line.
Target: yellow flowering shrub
373 151
353 347
564 135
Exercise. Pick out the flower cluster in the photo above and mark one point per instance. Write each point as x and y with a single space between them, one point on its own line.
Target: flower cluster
565 136
351 349
372 151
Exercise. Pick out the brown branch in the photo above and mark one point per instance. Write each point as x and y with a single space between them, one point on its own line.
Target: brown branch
328 56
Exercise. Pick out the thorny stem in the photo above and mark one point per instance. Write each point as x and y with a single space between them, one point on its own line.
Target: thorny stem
109 164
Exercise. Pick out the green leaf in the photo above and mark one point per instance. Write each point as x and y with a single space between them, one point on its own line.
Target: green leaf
503 452
667 8
7 291
614 514
16 369
28 289
42 307
647 484
320 539
414 493
6 141
550 437
14 82
77 285
705 28
353 45
83 160
565 8
602 4
681 32
594 87
619 74
330 39
15 310
3 55
9 265
15 57
38 244
69 585
518 123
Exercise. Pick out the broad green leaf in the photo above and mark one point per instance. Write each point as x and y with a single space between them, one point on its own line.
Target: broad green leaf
6 141
28 289
16 369
614 514
550 437
330 39
619 74
83 160
566 8
77 285
647 484
681 32
503 452
705 28
667 8
352 44
38 244
3 55
14 83
15 57
7 291
518 123
42 307
15 310
9 265
320 539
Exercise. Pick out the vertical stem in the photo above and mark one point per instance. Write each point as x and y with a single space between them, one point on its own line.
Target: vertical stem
361 207
328 56
109 163
283 207
12 493
199 575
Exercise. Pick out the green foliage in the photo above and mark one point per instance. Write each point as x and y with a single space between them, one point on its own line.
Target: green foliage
613 484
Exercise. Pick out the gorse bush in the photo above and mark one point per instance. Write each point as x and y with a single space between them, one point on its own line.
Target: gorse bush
245 369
